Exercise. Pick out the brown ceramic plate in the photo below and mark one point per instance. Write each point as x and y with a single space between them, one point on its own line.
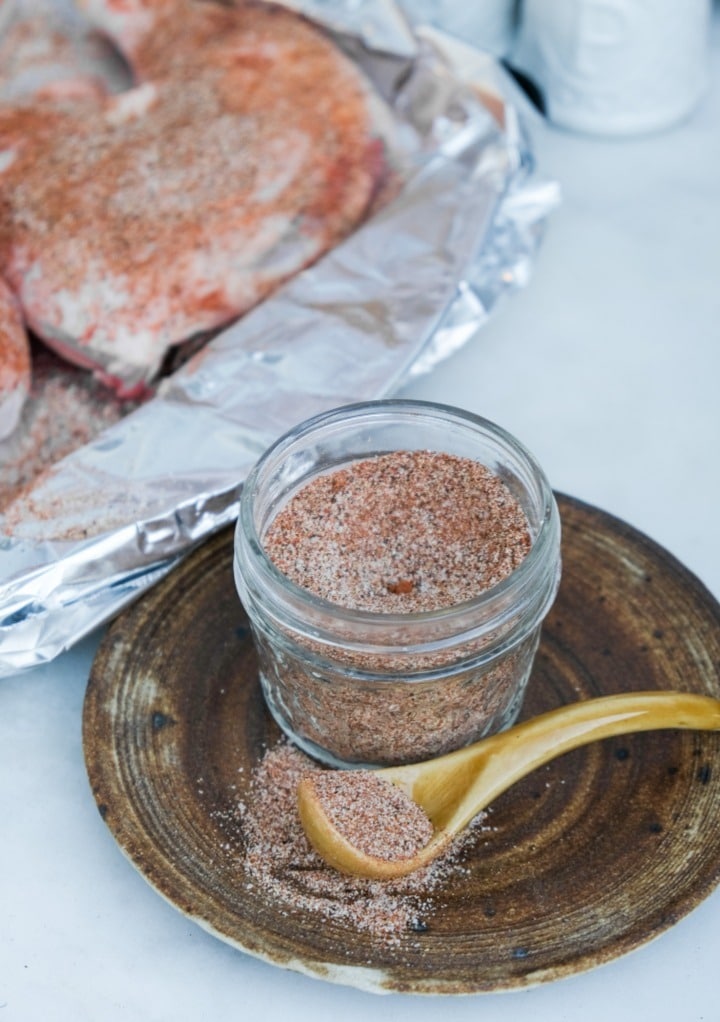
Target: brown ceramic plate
589 857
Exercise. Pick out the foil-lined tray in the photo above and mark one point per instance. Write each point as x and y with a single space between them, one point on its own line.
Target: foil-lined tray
410 287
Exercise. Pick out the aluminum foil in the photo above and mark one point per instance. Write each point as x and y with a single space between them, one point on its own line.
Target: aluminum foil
405 291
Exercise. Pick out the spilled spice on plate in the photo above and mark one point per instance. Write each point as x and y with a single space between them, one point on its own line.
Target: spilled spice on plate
280 864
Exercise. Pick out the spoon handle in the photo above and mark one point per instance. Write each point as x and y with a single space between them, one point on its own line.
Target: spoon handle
462 783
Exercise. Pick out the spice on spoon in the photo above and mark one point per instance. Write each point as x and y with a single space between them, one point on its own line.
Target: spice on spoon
279 864
453 789
373 814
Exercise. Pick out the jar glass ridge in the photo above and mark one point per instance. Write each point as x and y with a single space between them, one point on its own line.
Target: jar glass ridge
336 679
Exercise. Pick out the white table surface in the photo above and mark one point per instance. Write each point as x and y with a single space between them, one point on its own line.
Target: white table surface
608 366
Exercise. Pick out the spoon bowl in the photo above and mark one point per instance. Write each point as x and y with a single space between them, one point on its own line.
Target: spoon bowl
454 788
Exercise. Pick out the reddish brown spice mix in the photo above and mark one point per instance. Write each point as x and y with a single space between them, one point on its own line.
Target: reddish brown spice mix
372 814
65 409
401 532
278 863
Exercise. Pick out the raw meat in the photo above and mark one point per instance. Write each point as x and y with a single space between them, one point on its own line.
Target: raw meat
129 223
48 48
14 363
65 409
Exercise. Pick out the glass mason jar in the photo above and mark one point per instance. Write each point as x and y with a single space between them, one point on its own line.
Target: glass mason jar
362 688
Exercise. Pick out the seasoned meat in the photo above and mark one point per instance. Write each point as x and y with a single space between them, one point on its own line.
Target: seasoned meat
14 363
48 49
129 223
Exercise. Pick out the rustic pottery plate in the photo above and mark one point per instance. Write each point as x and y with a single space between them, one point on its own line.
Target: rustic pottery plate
587 858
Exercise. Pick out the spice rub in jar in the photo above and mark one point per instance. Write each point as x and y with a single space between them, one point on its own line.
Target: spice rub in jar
402 532
395 560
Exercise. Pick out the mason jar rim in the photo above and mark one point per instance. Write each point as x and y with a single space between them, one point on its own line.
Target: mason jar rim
497 602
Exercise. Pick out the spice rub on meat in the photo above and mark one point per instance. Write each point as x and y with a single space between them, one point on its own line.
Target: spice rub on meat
130 222
48 50
14 363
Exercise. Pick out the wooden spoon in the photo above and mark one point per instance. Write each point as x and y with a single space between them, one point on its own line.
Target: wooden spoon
454 788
